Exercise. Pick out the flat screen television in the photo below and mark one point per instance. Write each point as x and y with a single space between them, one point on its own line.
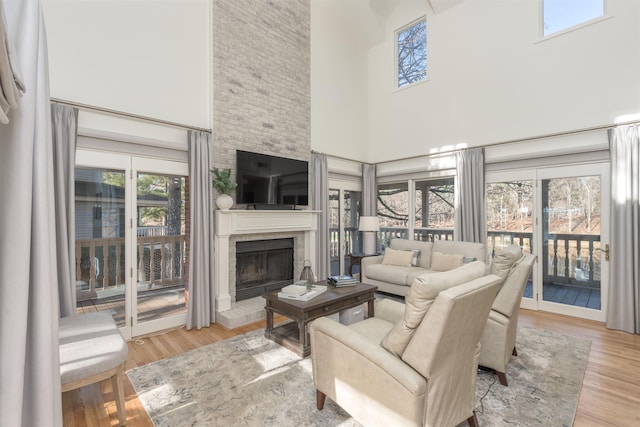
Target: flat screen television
267 182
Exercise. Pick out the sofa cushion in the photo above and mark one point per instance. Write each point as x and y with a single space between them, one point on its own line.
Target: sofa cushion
397 257
373 328
445 262
468 249
393 274
504 260
423 292
406 245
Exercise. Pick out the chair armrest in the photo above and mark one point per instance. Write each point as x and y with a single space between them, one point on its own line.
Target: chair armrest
389 310
334 344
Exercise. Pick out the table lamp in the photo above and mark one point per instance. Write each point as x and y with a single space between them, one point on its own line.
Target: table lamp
369 226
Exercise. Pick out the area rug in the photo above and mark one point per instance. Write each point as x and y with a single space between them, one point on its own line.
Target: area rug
249 380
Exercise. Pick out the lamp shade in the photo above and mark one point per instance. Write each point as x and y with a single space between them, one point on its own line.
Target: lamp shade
369 223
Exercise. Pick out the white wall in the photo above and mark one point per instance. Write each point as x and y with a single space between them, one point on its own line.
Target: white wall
338 80
146 57
491 78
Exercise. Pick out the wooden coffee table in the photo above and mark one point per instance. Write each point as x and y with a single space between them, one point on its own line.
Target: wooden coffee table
295 335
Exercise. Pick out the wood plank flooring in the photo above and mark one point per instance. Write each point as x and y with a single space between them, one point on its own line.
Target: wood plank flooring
610 392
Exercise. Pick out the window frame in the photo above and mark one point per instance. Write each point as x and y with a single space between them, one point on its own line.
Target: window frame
607 14
396 33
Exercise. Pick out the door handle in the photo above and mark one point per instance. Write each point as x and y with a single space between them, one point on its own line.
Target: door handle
606 251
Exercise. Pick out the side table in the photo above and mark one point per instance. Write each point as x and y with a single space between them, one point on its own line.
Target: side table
356 259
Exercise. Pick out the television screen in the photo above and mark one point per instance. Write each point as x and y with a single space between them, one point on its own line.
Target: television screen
270 180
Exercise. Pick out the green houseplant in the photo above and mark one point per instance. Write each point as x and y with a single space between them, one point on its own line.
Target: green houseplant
223 184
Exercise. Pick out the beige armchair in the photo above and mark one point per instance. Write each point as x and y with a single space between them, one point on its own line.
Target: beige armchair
499 337
431 384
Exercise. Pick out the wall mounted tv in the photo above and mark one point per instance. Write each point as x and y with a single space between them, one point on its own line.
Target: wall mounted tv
270 182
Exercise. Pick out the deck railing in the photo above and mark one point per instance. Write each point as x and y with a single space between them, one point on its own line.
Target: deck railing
100 263
573 259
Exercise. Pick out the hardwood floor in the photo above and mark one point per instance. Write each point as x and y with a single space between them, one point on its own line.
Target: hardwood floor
610 392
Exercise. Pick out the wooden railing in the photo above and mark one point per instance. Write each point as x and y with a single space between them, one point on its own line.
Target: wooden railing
100 263
573 259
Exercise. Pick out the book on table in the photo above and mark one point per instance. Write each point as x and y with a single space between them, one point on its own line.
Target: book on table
340 281
301 292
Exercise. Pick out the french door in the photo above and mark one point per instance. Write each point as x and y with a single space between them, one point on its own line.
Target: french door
560 214
130 240
345 207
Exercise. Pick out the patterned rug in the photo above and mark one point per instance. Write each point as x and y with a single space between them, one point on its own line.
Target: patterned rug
249 380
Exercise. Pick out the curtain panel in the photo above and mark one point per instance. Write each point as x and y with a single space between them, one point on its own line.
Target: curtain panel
470 220
29 354
11 84
201 307
320 202
623 312
64 126
369 190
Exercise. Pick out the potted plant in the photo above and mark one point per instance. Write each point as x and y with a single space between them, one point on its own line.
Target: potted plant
224 185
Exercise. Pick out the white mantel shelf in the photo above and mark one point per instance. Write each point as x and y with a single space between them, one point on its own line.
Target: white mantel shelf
232 222
243 222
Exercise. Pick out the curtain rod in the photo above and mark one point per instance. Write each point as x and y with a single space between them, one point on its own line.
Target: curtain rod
533 138
128 115
339 157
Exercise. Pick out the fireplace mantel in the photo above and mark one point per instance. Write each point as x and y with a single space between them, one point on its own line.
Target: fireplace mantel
247 222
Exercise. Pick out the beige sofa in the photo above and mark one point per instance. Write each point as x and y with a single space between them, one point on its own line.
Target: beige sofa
396 277
411 364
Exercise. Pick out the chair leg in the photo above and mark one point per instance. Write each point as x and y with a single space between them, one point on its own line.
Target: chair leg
320 396
503 378
473 420
514 352
118 392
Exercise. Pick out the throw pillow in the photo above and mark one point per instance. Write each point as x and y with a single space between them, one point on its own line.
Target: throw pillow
445 262
397 257
415 259
504 260
419 299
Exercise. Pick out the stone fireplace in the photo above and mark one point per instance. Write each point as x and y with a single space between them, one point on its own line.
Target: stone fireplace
240 226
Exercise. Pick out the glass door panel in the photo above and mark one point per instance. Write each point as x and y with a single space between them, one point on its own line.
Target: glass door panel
571 250
160 246
334 232
344 238
100 241
510 219
352 202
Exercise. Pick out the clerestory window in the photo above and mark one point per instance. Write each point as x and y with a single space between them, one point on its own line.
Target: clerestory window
561 15
411 53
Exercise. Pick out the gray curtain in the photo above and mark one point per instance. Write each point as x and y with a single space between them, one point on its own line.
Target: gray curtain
470 222
11 83
29 355
320 202
64 126
623 312
369 190
201 309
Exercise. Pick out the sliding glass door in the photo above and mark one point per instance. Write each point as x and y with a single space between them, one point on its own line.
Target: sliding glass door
130 240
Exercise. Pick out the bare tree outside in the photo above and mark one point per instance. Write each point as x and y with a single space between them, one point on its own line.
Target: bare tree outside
412 54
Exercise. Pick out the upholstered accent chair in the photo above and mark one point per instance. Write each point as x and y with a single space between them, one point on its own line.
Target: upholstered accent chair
432 382
92 350
498 340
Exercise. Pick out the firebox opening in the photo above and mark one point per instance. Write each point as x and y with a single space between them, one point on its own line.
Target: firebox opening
263 265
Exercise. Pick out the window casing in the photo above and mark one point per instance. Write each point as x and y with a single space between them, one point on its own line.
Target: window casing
411 53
